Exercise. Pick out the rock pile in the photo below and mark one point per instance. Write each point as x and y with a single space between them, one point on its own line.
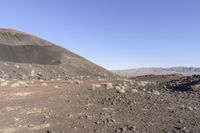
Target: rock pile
183 84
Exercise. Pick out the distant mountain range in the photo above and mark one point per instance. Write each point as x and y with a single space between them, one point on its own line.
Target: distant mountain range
158 71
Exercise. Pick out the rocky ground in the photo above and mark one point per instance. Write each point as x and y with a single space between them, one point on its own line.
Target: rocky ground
142 105
41 91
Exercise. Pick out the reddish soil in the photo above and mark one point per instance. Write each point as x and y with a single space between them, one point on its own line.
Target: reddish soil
61 106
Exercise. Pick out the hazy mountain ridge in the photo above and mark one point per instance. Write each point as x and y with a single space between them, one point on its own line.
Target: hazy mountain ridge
159 71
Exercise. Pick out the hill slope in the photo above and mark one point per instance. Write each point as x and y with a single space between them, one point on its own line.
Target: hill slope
28 56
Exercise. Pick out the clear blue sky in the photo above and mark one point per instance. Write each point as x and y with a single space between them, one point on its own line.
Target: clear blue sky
115 34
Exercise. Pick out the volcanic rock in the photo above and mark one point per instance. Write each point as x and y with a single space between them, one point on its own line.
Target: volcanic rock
25 54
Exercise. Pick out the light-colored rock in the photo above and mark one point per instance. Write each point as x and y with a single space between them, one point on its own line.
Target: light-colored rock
124 84
121 91
131 82
190 108
18 84
56 86
9 130
58 79
96 86
107 85
44 84
101 79
15 85
16 66
105 75
143 83
22 94
123 87
33 73
82 77
2 80
5 83
23 83
32 81
77 81
117 87
134 91
33 127
12 108
149 92
156 92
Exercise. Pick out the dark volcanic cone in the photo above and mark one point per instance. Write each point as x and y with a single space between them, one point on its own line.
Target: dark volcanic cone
31 53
